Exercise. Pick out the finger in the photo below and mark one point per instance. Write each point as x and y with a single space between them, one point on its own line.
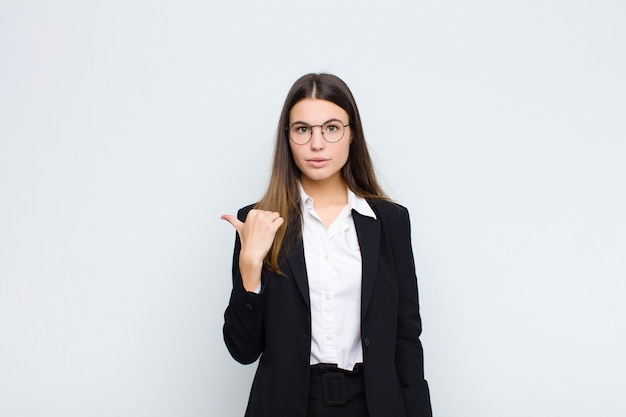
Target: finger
273 215
275 220
237 224
278 222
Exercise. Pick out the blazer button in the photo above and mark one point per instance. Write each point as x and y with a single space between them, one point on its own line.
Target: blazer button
366 342
249 306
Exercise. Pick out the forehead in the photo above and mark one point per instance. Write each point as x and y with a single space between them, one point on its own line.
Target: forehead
316 111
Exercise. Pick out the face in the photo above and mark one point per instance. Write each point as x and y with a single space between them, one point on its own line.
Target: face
320 160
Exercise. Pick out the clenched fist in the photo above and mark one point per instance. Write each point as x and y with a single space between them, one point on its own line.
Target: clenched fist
256 235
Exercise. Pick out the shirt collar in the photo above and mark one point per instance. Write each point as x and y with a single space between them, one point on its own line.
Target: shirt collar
355 202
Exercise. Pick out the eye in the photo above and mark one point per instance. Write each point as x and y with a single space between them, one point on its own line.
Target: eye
300 129
332 127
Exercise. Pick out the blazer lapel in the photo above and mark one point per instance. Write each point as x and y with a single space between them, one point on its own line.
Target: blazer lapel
298 267
368 233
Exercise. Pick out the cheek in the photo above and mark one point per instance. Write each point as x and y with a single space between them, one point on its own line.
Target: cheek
294 151
296 155
345 154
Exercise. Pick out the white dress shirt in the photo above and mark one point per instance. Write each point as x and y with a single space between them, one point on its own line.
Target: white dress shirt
333 263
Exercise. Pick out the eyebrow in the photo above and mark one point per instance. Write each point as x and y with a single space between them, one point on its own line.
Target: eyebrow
308 124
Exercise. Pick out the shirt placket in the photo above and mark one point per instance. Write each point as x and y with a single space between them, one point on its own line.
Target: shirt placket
327 275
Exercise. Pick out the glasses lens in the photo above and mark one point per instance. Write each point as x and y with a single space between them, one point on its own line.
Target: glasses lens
300 133
333 130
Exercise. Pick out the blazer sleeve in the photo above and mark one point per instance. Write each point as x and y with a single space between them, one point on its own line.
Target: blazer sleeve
409 353
243 320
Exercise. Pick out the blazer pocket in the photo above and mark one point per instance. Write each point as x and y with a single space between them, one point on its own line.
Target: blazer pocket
417 400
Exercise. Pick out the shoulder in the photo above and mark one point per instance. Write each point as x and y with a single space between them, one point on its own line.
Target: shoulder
388 209
392 216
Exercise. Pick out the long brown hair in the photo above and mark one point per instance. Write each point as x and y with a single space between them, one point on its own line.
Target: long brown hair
283 194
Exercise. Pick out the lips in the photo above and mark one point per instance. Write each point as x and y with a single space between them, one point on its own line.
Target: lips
317 162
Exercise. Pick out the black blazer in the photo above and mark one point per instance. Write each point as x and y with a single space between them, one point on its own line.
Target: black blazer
276 324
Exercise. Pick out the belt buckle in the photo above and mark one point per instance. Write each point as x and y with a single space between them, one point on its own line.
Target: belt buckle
334 389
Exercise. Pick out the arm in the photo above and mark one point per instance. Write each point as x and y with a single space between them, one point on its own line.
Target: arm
409 353
243 319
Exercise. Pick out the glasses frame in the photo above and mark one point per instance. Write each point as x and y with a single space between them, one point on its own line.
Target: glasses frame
288 130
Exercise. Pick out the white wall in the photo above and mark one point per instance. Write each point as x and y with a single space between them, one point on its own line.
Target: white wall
128 127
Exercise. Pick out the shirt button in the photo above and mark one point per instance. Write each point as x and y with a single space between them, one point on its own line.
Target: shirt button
366 342
329 337
249 306
325 257
328 296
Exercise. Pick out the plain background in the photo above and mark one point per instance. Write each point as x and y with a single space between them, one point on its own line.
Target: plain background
128 127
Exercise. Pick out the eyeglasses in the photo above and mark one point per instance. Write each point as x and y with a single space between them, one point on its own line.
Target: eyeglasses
332 131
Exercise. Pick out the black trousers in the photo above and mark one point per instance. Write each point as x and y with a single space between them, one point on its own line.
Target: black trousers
335 392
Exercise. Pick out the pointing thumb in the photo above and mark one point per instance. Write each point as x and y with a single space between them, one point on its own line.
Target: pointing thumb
232 220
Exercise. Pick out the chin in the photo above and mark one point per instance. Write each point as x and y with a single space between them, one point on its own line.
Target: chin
317 176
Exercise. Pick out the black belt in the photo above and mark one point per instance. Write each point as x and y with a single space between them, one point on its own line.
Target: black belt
334 385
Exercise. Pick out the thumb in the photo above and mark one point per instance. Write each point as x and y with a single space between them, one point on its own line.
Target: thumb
237 224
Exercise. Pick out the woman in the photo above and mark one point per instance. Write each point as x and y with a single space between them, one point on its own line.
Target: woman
324 286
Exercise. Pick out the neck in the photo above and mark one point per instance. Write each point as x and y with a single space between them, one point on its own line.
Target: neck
328 192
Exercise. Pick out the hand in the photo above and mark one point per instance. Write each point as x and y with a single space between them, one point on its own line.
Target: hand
257 233
257 236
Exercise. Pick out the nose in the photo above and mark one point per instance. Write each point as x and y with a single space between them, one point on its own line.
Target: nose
317 139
